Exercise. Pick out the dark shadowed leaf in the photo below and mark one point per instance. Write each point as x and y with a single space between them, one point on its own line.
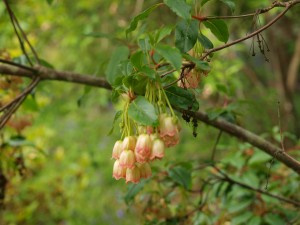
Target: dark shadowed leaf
49 2
133 190
186 34
205 42
182 98
181 175
218 28
230 4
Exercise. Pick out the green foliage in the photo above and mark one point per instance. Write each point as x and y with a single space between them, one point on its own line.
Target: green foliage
113 72
139 17
181 175
205 42
66 150
186 34
219 28
180 7
230 4
172 55
182 98
142 111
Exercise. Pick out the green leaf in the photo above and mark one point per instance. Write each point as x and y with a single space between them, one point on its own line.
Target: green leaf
145 70
180 7
182 98
186 34
218 28
143 112
143 15
199 64
44 63
113 71
117 116
259 157
162 33
30 103
144 44
137 59
181 175
204 2
239 206
273 219
82 98
254 221
126 67
133 190
205 42
230 4
49 2
171 54
242 218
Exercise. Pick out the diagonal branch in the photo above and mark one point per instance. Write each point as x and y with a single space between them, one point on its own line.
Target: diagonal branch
230 128
288 5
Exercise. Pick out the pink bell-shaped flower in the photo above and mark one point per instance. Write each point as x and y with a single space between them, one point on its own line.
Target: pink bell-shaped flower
127 159
169 130
158 149
118 171
129 143
133 175
143 148
145 170
117 149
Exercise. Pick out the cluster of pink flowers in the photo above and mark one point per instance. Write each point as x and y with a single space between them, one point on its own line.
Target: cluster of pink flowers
134 154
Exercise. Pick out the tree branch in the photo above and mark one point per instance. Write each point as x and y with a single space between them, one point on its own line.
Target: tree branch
228 179
230 128
275 4
287 5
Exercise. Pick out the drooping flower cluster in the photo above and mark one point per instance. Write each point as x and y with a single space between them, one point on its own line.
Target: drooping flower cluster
134 154
140 146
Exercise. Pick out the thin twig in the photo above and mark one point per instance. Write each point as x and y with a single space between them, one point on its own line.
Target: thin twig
18 65
215 147
260 11
16 25
25 92
12 19
280 128
288 5
15 104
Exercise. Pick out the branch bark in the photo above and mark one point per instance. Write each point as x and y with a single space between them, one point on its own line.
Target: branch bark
232 129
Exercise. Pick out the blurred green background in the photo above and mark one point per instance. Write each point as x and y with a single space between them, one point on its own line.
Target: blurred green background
67 151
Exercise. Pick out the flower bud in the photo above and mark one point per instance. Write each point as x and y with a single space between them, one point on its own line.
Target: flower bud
118 171
145 170
158 149
143 148
127 159
117 149
129 143
133 175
